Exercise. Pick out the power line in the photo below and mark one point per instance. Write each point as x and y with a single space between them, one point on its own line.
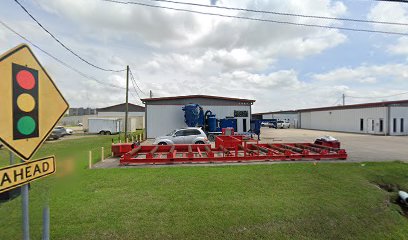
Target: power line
137 98
335 103
260 19
58 60
283 13
133 79
393 95
62 44
134 88
133 83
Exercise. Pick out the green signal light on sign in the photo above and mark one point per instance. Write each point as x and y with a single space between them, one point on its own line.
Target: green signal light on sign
26 125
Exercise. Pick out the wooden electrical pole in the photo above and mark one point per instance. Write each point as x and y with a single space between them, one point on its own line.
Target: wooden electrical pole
344 99
127 102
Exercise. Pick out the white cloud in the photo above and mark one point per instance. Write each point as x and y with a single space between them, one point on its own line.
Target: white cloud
180 30
282 79
177 53
389 12
278 40
400 48
207 63
366 74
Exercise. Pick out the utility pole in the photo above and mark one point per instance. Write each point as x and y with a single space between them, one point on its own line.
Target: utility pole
344 99
127 101
150 94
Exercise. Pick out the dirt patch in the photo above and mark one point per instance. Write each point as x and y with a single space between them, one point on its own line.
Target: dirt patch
389 187
394 198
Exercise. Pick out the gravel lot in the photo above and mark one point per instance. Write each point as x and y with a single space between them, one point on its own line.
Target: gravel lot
360 147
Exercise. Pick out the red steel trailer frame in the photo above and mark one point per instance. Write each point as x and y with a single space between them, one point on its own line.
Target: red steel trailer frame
227 149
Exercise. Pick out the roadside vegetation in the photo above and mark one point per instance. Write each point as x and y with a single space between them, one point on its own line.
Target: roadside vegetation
271 201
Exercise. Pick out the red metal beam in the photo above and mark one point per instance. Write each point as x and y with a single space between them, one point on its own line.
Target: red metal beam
228 149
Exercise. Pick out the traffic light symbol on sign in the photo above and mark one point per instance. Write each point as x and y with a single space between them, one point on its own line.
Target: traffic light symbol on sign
25 102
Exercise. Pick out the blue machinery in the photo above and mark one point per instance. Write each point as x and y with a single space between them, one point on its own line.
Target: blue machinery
194 116
256 125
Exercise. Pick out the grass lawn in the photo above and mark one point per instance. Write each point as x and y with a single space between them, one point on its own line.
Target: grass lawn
279 201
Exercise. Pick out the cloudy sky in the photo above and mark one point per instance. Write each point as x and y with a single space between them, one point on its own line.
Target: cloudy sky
173 53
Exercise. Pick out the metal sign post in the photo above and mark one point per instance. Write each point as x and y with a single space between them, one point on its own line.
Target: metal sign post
25 212
46 222
11 158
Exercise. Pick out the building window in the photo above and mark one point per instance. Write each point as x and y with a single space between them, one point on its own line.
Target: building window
361 124
402 125
381 125
394 125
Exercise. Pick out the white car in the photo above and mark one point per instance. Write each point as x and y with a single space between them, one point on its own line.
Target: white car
66 131
69 131
183 136
283 124
268 124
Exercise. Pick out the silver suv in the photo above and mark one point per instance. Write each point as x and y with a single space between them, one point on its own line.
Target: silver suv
183 136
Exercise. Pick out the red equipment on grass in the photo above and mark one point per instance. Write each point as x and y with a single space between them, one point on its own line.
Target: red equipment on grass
237 148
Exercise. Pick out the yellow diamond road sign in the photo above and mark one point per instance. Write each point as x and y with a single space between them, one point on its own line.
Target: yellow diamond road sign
30 102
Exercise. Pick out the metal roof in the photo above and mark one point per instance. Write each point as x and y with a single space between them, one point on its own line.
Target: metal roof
197 96
351 106
277 112
122 108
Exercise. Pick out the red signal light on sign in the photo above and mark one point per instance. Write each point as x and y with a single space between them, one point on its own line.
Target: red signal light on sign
25 79
25 102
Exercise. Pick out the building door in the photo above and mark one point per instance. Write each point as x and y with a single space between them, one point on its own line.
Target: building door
370 125
244 124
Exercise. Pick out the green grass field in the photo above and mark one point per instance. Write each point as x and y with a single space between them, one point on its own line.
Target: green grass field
278 201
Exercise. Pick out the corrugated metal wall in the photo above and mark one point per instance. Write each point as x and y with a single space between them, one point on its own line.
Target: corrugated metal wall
120 114
162 119
401 126
347 120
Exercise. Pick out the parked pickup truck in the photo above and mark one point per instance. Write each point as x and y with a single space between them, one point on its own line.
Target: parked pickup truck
282 124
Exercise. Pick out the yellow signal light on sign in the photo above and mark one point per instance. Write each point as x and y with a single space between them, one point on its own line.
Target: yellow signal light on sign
26 102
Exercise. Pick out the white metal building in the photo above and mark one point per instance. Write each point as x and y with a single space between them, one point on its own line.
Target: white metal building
136 115
382 118
165 114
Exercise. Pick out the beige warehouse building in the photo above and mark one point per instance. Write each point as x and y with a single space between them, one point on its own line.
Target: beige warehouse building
136 115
